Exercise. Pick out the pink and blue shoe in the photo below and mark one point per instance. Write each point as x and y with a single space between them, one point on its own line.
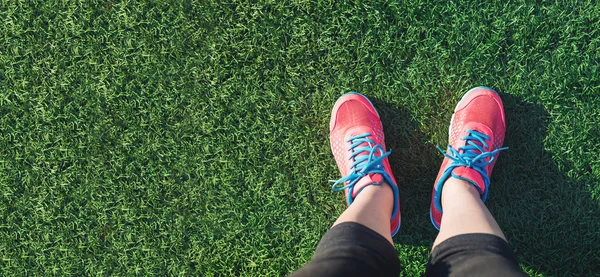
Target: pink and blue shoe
357 143
476 135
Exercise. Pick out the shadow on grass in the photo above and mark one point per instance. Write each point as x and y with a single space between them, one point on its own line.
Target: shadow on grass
415 164
550 219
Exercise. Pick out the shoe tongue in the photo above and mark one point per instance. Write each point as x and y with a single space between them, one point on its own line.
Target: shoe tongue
470 175
365 181
355 131
479 128
369 178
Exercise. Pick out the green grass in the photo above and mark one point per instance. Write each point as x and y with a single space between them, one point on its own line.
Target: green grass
191 138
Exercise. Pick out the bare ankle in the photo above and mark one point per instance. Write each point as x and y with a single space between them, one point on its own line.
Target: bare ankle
454 186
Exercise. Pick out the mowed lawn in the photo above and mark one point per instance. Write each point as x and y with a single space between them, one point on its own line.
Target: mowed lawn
182 138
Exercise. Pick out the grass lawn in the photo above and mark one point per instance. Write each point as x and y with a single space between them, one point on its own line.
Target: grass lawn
191 137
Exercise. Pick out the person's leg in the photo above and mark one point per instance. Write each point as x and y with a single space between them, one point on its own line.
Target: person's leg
470 242
464 212
360 242
372 209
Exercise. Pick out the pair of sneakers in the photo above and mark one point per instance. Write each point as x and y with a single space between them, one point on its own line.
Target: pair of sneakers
476 135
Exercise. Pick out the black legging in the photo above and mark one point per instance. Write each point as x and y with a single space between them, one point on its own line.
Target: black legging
351 249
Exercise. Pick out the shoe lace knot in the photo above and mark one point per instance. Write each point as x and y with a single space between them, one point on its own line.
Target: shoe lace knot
368 159
474 154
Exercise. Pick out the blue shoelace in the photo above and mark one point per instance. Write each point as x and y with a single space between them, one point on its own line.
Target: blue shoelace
473 156
365 164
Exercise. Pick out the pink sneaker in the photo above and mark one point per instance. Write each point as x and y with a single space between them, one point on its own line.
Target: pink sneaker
357 143
476 136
